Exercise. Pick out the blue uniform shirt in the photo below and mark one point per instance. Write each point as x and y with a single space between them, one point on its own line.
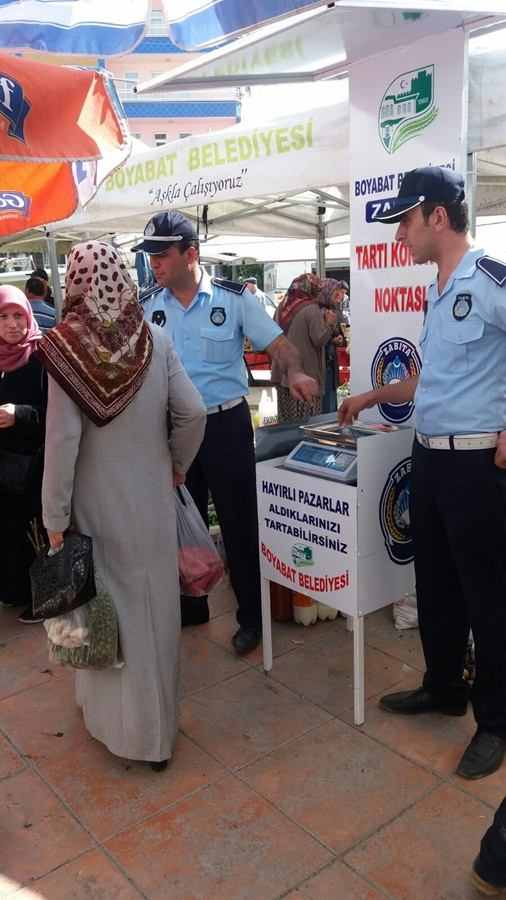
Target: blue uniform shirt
44 314
209 335
462 385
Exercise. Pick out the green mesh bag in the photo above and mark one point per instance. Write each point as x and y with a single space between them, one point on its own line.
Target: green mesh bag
102 649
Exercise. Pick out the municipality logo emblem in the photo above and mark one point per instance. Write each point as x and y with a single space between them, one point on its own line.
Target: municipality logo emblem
14 106
302 555
408 106
394 513
395 360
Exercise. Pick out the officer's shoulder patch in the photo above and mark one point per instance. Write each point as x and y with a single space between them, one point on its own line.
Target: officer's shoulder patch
234 286
148 293
494 268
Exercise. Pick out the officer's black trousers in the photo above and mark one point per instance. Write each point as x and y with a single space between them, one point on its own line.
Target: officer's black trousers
458 519
225 466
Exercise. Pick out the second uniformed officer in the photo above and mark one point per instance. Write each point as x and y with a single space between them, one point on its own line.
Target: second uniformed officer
208 319
458 490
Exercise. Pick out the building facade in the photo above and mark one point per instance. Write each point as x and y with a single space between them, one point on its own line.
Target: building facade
165 116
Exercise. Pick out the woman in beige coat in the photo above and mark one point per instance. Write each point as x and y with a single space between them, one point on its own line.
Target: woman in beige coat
109 472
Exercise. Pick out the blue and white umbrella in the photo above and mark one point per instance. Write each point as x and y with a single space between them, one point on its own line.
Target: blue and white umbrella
98 28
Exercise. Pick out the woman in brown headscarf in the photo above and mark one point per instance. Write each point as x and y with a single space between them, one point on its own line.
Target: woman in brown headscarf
109 471
307 315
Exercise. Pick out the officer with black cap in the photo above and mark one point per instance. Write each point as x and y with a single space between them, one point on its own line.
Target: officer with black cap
458 488
208 320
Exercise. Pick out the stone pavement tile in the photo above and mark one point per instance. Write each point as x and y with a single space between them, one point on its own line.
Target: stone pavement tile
108 794
246 717
91 877
10 761
36 832
44 722
24 661
323 671
431 740
204 663
222 599
337 783
404 645
286 636
428 851
9 625
491 789
336 881
224 843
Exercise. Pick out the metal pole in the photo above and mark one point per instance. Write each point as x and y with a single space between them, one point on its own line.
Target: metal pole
471 190
55 277
320 243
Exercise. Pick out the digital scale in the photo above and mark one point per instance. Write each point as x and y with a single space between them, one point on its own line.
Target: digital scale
330 451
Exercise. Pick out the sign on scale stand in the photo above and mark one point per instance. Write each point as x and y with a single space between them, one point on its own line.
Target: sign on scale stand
346 545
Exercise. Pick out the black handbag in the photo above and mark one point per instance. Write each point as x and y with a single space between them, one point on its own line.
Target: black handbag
64 581
17 471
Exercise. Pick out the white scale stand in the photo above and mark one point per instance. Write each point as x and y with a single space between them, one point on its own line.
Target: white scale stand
367 578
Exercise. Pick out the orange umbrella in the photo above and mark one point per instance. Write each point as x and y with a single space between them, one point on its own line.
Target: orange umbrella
52 119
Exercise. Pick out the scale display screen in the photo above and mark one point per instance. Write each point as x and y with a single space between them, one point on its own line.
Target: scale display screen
321 456
318 459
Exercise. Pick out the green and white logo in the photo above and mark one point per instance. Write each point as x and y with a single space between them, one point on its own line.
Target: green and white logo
407 107
302 555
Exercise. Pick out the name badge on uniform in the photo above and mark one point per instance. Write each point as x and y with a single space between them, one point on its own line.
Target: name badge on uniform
218 315
462 306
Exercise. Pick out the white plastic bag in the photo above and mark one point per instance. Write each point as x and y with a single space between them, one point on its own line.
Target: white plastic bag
405 612
268 408
200 565
70 630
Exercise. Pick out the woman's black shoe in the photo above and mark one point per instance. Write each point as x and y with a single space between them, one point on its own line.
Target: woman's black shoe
159 766
489 870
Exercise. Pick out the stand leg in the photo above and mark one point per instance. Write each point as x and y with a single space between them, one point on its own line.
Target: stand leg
358 670
266 624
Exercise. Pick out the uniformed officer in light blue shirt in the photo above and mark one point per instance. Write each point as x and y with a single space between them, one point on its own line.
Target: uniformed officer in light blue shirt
208 320
458 489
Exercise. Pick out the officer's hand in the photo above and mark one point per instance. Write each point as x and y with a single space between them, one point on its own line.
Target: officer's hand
303 387
178 478
7 415
351 408
500 453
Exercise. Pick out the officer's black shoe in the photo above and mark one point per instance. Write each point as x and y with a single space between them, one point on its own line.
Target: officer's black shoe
245 640
483 756
483 885
489 869
411 703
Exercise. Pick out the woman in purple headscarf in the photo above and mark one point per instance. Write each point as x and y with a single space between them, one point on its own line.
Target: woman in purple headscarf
22 418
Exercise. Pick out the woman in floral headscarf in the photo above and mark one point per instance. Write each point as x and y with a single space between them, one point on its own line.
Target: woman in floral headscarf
307 315
109 471
22 412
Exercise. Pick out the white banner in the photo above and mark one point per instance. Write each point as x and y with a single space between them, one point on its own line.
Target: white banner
242 162
407 109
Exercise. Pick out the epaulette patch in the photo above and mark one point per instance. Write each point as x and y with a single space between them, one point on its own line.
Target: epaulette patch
149 292
494 268
234 286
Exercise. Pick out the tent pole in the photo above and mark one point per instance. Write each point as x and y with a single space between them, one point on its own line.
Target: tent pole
55 277
320 243
471 189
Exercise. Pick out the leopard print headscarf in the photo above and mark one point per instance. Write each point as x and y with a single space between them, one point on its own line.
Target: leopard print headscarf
100 352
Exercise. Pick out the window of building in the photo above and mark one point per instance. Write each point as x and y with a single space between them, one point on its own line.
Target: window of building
160 139
183 134
137 135
157 24
126 84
